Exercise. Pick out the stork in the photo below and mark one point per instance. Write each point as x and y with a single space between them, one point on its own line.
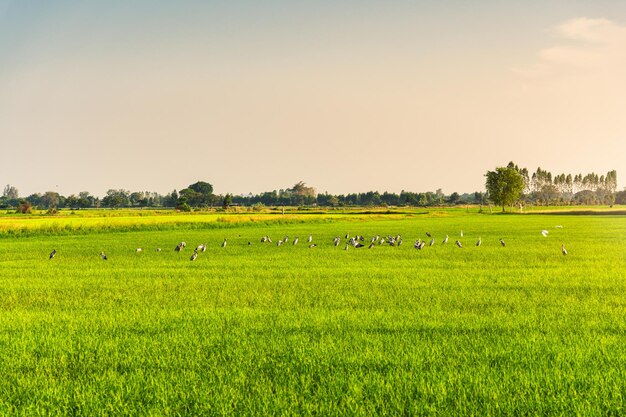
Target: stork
459 244
295 241
103 256
544 233
138 250
432 241
53 253
224 243
502 242
479 242
194 256
312 245
310 239
336 240
428 234
158 249
563 250
445 240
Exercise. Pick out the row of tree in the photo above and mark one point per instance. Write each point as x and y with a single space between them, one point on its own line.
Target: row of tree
505 186
512 184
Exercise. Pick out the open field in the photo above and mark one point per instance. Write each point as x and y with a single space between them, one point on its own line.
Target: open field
260 329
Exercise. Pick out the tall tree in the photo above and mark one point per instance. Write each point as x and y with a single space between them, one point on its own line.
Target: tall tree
504 185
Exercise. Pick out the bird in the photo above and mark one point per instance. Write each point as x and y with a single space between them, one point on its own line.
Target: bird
347 235
204 247
445 240
459 244
346 248
295 241
249 243
544 233
138 250
479 242
336 240
502 242
178 248
194 256
563 250
286 239
461 233
158 249
428 234
103 256
432 241
264 239
53 253
371 245
224 243
280 242
312 245
310 239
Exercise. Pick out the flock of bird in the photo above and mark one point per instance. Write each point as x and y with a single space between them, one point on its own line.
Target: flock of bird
357 241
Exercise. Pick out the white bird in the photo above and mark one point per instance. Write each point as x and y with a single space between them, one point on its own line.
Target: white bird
103 256
310 239
158 249
295 241
461 233
563 250
544 233
445 240
280 242
194 256
224 243
138 250
336 241
432 241
312 245
502 242
346 248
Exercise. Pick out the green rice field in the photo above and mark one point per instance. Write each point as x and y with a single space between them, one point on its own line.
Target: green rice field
259 329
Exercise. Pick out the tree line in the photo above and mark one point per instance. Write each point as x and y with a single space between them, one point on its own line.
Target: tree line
539 188
509 185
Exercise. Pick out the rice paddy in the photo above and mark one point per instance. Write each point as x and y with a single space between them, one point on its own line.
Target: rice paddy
258 329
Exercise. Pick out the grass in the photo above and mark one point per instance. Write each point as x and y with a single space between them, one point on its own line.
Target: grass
260 329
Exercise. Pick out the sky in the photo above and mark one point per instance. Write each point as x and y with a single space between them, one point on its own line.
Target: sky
347 96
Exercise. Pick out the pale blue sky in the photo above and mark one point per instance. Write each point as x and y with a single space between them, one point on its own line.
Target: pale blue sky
346 96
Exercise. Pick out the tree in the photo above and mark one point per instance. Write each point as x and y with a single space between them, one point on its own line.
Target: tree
10 192
228 200
504 185
50 199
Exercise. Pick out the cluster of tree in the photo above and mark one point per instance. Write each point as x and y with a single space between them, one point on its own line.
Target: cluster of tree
505 186
512 184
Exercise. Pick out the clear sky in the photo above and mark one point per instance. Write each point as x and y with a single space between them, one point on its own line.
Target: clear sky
347 96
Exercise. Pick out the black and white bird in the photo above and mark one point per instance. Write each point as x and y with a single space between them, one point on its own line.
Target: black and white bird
178 248
310 239
224 243
295 240
563 250
194 256
432 241
459 244
428 234
479 242
312 245
445 240
158 249
336 241
544 233
103 256
502 242
139 250
53 253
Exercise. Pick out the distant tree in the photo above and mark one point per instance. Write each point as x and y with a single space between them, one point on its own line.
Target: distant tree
51 199
228 200
24 207
454 198
202 187
10 192
504 186
116 198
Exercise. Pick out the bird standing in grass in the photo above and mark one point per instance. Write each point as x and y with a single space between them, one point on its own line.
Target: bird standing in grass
445 240
459 244
103 256
295 241
53 253
502 242
479 242
224 243
544 233
563 250
194 256
310 239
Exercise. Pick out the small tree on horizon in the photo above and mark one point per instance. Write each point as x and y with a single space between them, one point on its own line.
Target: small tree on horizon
504 185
